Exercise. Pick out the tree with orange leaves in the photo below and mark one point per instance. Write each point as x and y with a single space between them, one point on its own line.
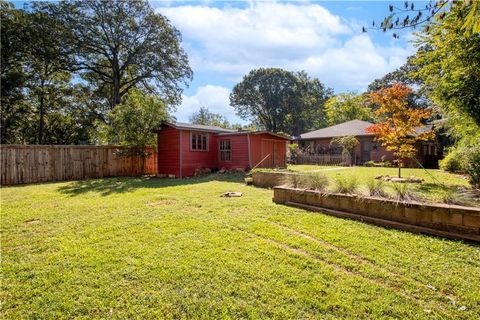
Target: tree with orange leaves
398 122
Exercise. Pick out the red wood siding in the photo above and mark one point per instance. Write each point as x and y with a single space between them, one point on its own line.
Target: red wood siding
239 146
198 159
168 151
176 157
264 144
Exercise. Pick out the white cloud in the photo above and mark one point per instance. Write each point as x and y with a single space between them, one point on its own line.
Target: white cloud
231 41
225 43
354 64
215 98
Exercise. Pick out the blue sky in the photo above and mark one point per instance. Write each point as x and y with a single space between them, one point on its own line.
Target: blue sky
225 40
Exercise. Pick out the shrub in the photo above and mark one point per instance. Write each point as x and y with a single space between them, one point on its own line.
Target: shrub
369 164
376 188
454 161
404 192
387 164
346 184
314 181
472 166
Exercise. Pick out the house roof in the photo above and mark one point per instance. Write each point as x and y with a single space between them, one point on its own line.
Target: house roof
255 132
349 128
218 130
198 127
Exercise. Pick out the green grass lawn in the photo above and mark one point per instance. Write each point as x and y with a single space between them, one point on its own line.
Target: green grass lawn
138 248
436 184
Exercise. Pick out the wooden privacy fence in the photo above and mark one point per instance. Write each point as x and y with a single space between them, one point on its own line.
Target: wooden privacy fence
43 163
324 159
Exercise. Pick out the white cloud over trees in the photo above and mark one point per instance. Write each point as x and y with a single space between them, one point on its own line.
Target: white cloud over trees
231 41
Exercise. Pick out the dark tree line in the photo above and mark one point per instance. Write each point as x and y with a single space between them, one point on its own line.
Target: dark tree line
66 64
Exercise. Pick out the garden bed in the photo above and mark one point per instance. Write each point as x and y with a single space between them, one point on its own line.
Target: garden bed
449 221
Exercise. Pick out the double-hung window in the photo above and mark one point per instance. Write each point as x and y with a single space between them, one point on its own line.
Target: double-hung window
225 150
198 141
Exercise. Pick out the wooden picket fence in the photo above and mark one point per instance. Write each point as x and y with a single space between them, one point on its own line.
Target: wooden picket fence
42 163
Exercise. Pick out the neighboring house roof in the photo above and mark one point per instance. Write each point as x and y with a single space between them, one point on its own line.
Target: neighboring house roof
197 127
349 128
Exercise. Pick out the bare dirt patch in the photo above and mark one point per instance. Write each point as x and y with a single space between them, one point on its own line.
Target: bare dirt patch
161 203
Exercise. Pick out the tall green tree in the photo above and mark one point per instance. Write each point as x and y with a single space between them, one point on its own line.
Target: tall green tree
15 111
120 45
46 64
348 106
451 74
280 100
205 117
309 111
265 95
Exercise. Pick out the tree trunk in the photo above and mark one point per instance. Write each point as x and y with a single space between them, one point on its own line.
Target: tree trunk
116 99
399 168
41 125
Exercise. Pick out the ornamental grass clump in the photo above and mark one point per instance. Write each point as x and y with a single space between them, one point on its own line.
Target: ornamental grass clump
293 180
346 184
452 196
404 192
314 181
376 188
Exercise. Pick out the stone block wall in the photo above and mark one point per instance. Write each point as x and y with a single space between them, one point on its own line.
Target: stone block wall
440 219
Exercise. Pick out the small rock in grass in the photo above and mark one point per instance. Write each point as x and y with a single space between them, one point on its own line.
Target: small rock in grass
429 286
462 308
232 194
452 301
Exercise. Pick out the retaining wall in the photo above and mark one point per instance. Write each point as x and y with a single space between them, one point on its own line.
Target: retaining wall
269 179
440 219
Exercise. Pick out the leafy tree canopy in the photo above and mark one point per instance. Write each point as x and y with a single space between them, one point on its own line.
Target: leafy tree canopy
397 131
280 100
347 106
120 45
134 121
14 107
207 118
450 73
347 143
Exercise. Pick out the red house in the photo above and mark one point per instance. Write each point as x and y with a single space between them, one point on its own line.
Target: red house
184 148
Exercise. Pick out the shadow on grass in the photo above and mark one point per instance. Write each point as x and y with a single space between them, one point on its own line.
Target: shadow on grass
109 186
